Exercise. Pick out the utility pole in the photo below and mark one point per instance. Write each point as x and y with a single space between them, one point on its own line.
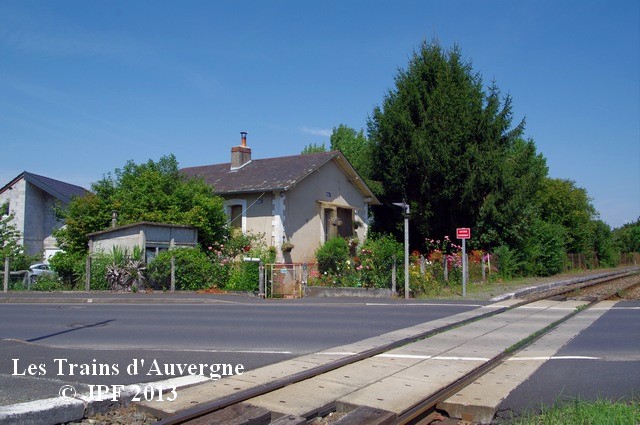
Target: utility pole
405 208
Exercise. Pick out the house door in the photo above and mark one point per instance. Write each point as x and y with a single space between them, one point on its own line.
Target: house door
236 217
327 223
345 218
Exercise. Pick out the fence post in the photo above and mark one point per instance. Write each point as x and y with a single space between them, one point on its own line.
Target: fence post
261 280
445 266
484 271
394 276
87 283
6 274
173 274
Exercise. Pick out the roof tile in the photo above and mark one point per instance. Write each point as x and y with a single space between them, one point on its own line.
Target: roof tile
261 175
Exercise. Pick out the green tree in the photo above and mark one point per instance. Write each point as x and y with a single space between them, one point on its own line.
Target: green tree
562 202
9 237
508 211
544 250
603 245
313 148
153 191
448 147
626 239
83 215
355 146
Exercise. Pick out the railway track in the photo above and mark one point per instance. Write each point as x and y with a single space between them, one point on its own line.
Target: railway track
604 288
364 381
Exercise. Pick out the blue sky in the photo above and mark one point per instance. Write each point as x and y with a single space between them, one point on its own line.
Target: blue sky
87 85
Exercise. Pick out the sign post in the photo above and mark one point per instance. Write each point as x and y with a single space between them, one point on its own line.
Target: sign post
464 233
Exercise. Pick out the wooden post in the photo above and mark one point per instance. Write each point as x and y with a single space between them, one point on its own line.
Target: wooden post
173 274
87 284
445 266
484 271
394 276
6 274
261 293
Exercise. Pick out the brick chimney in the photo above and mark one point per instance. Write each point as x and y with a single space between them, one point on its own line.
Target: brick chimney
240 155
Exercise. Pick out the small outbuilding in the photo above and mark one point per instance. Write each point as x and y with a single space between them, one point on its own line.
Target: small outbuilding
150 237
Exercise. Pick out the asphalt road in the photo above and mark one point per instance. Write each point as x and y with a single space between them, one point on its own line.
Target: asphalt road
614 340
94 343
254 333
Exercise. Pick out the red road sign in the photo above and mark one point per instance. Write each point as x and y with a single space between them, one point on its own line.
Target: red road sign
463 233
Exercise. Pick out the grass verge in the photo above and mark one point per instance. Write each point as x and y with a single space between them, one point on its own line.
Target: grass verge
580 412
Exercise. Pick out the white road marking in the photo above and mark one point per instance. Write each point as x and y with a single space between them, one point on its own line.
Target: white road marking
424 304
404 356
484 359
545 358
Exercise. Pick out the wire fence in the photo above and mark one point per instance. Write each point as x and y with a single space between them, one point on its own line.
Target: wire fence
290 280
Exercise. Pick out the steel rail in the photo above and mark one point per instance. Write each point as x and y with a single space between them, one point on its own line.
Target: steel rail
418 411
428 405
587 284
243 395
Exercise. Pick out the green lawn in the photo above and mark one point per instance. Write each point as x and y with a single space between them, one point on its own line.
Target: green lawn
577 412
483 291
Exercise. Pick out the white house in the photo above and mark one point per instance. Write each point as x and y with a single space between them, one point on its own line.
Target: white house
32 198
303 200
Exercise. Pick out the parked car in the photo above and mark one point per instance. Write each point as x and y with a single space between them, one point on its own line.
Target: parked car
39 269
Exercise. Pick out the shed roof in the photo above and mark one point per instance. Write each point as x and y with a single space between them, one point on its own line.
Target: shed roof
138 225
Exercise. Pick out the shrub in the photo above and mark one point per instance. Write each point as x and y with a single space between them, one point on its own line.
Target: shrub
545 251
125 272
22 261
370 267
243 276
193 269
70 267
99 265
230 272
381 250
47 283
507 262
332 255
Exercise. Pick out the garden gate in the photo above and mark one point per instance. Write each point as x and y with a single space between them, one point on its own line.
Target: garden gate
285 280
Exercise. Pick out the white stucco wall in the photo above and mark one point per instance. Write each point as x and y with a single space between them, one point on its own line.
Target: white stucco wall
39 219
303 224
257 211
295 215
16 197
144 236
34 216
